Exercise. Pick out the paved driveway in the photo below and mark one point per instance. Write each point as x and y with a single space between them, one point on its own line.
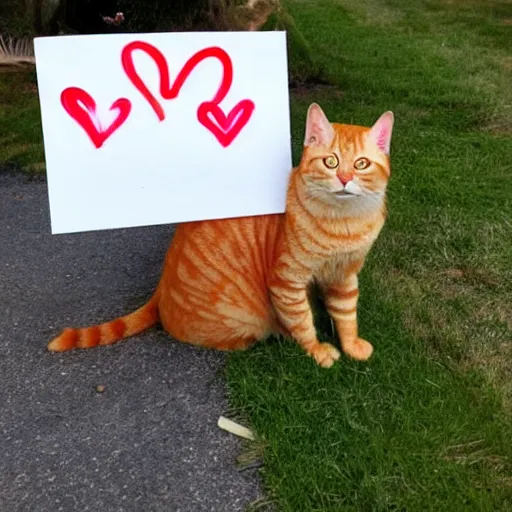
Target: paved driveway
149 441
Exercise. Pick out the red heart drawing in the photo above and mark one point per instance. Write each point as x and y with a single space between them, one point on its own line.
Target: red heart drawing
167 91
82 108
225 128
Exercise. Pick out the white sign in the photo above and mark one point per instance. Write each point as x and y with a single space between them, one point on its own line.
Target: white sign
143 129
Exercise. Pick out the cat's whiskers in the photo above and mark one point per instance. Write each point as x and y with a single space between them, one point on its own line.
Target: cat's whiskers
365 201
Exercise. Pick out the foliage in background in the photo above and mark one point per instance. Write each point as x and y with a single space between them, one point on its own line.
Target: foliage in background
16 18
20 18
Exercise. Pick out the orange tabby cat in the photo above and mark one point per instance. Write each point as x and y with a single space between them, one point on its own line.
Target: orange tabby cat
227 283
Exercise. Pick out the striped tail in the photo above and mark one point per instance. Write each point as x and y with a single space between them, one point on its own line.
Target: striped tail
109 332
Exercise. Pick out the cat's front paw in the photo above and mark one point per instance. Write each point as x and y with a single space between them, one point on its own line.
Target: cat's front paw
358 349
325 354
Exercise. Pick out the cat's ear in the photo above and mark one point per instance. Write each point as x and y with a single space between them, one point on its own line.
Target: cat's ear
381 131
319 130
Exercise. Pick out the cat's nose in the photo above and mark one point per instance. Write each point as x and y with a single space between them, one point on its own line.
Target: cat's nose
344 178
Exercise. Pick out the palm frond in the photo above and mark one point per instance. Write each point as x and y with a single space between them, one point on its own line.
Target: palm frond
16 52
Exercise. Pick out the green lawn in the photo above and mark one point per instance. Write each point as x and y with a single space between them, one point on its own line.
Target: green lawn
426 424
21 138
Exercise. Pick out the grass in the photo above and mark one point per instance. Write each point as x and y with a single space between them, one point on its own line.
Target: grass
21 144
302 67
426 423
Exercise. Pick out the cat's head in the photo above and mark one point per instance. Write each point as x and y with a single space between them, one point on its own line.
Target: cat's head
346 167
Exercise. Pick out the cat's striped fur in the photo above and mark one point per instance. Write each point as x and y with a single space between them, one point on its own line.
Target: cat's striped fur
227 283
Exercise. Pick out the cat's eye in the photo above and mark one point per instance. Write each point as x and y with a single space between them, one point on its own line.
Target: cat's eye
331 162
362 163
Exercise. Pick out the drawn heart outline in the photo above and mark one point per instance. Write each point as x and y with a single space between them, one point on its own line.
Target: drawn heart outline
167 91
227 127
74 99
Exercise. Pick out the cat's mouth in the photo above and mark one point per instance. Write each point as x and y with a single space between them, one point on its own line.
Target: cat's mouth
344 194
